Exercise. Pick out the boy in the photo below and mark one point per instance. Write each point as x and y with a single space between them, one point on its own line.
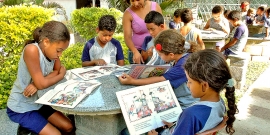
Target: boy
175 23
239 40
266 24
103 49
259 17
155 24
189 31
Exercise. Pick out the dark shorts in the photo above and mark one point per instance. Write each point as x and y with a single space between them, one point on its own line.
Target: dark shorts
34 120
130 56
228 52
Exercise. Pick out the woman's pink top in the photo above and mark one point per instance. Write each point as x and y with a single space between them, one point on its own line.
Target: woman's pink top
139 30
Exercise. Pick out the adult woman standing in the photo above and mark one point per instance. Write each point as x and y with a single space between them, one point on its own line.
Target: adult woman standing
135 28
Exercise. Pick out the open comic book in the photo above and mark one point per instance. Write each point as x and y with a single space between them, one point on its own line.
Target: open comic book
69 93
218 32
93 72
145 107
145 71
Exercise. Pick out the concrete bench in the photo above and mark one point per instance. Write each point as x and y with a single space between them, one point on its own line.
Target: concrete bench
258 48
238 67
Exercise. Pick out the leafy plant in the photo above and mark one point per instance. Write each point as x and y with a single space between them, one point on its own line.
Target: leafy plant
70 59
85 20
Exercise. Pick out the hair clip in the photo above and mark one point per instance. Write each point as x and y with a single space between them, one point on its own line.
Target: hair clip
158 47
231 82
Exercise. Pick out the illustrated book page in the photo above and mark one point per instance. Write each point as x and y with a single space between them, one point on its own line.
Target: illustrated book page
69 93
145 107
93 72
145 71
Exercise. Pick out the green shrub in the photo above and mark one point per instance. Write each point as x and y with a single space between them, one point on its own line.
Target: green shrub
16 25
71 58
120 38
85 20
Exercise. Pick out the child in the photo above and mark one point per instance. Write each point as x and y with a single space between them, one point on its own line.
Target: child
266 24
175 23
244 8
190 32
239 39
39 68
226 13
170 46
103 49
218 22
259 17
250 16
209 111
155 24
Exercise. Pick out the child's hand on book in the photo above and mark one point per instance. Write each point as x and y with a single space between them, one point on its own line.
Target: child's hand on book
100 62
152 132
30 90
125 79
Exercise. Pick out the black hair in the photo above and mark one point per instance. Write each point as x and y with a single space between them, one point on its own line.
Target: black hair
53 30
177 13
217 9
261 8
186 15
154 17
173 42
234 15
107 22
268 11
210 66
226 13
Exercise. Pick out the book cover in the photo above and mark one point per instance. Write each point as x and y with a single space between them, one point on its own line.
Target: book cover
145 71
145 107
69 93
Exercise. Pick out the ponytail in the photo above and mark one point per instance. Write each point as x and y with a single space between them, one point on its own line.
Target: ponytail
232 109
36 35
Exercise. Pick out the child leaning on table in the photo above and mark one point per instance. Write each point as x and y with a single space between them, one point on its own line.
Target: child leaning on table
103 49
170 46
39 68
266 25
155 24
239 39
208 113
218 22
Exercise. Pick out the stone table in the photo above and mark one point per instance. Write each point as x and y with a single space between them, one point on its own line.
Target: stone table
99 113
210 38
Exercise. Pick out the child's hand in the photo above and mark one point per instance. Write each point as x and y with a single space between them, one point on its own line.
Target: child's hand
100 62
30 90
152 132
125 79
150 51
168 124
62 71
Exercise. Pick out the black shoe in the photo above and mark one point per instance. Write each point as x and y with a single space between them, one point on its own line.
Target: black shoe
23 131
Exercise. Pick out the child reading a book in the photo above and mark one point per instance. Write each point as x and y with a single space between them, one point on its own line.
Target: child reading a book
239 40
189 31
155 24
39 68
103 49
218 22
209 111
170 46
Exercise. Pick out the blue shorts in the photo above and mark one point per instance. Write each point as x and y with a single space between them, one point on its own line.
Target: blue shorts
228 52
34 120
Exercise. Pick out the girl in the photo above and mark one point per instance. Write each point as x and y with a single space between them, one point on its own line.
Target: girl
250 16
170 46
134 27
218 22
208 74
39 68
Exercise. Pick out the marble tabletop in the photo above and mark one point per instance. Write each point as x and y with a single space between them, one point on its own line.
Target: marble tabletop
101 101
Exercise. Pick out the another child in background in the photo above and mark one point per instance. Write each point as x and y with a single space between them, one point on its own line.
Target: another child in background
226 13
170 46
244 6
239 40
155 24
175 23
39 68
259 17
103 49
218 22
266 24
250 16
189 31
209 111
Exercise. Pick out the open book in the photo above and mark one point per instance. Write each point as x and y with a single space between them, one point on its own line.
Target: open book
218 32
145 71
69 93
88 73
145 107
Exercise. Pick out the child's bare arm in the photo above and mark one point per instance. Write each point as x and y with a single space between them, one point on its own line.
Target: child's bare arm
144 55
228 45
121 62
200 41
126 79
